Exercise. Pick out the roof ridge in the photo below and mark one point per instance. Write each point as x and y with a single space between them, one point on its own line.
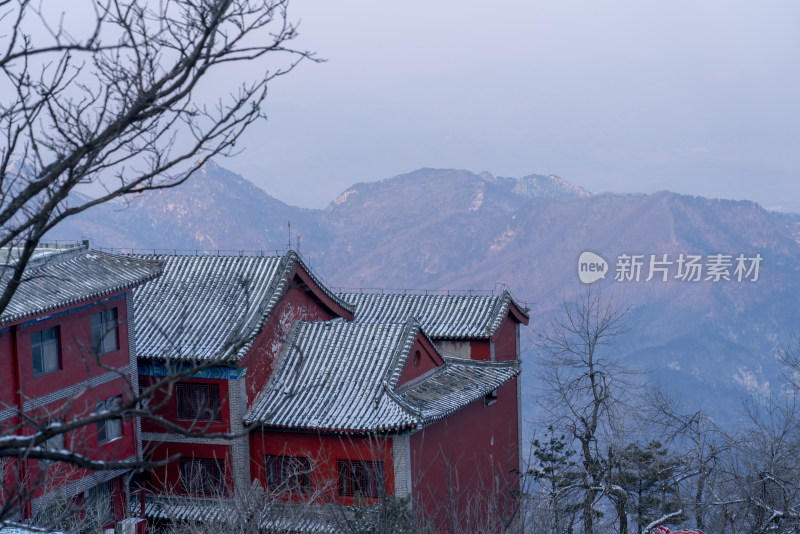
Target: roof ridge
57 255
325 289
274 292
498 313
480 363
404 405
392 375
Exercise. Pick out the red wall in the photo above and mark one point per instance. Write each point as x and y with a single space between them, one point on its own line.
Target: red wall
75 337
480 350
462 463
323 450
77 363
7 392
505 340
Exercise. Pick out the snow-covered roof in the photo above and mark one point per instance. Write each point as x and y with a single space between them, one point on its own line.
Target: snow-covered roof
454 385
441 316
342 377
277 516
64 277
211 307
19 528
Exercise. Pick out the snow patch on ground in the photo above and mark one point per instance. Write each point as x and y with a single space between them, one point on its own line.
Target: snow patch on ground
477 202
750 382
341 199
502 240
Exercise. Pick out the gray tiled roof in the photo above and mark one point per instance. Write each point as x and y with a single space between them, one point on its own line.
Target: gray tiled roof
272 516
18 528
67 277
210 307
441 316
454 385
339 376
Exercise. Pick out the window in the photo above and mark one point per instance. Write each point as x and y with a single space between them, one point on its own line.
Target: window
290 474
109 428
359 477
56 443
203 476
104 331
44 345
416 358
198 402
99 506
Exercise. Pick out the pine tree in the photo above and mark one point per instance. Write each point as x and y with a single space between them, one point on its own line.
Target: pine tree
556 471
646 473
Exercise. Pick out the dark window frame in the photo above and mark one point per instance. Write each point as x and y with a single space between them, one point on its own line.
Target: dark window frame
104 324
365 478
198 401
288 474
203 477
45 348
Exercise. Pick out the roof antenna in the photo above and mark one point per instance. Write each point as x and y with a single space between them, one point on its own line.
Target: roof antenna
289 224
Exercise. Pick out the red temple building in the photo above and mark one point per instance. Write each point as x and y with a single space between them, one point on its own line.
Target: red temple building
323 400
336 397
66 352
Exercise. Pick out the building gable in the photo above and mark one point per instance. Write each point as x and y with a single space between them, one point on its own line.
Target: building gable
421 359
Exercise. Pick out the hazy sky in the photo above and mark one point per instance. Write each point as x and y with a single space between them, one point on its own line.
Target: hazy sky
698 97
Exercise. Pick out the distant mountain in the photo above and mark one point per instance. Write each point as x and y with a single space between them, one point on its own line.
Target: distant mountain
214 209
539 186
452 229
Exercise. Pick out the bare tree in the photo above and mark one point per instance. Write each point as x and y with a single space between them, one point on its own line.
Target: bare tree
116 104
586 394
789 357
701 449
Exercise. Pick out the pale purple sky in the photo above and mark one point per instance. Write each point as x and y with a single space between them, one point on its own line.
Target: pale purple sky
699 97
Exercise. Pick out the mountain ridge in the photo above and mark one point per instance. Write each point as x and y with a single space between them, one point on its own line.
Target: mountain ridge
454 229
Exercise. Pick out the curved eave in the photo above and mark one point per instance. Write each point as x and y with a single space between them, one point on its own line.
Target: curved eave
427 417
383 429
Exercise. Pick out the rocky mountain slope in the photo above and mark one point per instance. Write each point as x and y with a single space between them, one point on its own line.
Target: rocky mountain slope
711 341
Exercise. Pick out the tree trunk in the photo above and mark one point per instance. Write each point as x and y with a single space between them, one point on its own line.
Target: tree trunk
588 512
621 501
698 511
